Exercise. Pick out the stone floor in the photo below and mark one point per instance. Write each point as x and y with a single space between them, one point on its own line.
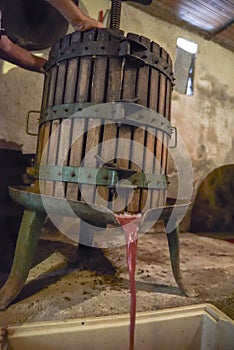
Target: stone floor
59 287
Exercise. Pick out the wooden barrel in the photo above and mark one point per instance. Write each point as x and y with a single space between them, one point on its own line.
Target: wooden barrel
88 69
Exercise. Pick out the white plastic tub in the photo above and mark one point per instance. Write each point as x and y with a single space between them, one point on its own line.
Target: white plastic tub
192 328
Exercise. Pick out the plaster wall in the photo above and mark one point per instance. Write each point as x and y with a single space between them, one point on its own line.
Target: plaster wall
204 121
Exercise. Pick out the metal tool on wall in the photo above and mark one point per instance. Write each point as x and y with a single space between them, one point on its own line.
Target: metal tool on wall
101 87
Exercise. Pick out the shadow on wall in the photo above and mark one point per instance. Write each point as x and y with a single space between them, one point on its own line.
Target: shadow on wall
213 205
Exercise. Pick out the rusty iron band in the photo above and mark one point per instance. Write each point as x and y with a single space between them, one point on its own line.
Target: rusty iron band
122 49
104 176
116 112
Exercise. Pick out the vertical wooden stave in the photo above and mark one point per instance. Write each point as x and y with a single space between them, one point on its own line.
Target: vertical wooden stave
76 124
153 104
108 151
124 133
82 95
169 91
46 187
167 113
157 199
42 127
168 107
162 110
62 138
95 129
138 136
54 138
149 158
97 95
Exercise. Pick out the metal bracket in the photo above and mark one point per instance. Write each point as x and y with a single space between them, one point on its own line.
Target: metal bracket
104 176
174 131
136 53
27 123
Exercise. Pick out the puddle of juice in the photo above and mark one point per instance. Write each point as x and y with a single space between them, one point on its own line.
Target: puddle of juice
130 225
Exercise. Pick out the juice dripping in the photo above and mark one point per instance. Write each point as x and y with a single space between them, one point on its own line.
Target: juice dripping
130 225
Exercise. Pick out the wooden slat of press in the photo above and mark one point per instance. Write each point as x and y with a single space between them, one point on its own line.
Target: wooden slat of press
47 85
168 106
165 137
54 144
123 150
83 85
47 129
146 195
153 104
43 106
169 91
167 115
63 84
113 93
70 80
48 98
94 125
160 134
44 160
42 127
41 131
76 124
40 143
137 154
82 95
38 156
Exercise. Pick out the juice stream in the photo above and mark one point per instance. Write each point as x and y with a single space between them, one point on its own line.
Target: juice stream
130 225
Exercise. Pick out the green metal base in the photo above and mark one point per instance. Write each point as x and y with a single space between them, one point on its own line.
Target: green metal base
174 249
29 233
61 206
33 220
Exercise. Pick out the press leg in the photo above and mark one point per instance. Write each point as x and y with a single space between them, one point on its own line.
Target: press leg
86 234
28 236
87 231
90 257
174 249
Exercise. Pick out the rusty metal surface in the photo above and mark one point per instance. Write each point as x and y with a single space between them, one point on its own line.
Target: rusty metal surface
33 220
129 47
119 112
93 213
35 201
111 177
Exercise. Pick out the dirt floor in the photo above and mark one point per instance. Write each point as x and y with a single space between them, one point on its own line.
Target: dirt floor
60 286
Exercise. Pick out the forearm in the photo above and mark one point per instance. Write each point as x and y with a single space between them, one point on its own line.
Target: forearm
74 15
68 9
19 56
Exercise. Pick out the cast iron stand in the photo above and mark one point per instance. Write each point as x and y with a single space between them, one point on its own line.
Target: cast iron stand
33 220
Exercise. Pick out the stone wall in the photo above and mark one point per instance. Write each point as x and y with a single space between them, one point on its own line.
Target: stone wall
204 121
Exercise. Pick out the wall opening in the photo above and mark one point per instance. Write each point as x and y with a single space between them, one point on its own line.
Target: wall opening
213 205
184 68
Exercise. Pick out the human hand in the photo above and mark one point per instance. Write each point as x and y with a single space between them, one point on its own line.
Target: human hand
39 64
85 23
